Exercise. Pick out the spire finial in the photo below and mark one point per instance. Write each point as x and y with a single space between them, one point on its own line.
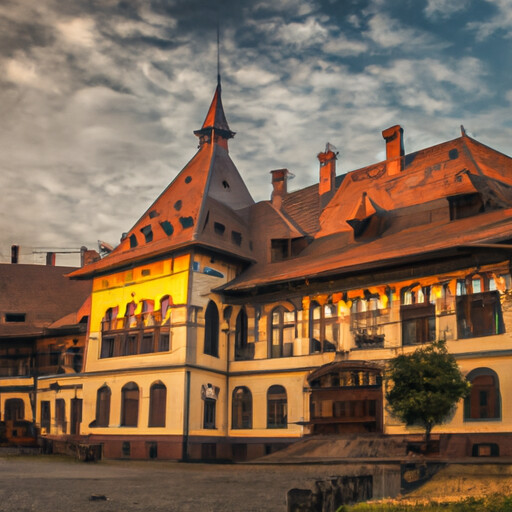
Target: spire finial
218 47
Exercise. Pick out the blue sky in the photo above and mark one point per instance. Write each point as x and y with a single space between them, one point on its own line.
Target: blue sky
99 98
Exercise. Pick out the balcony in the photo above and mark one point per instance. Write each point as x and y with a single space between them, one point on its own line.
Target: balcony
133 335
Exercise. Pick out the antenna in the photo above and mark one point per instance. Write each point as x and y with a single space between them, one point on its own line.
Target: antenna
218 46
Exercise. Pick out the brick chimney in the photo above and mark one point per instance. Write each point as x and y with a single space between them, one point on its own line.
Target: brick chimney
50 259
89 256
327 181
394 149
279 186
15 252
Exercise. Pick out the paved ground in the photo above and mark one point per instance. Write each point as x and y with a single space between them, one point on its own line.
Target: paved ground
55 484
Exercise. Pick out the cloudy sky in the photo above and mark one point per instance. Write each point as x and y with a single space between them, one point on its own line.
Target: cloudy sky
99 98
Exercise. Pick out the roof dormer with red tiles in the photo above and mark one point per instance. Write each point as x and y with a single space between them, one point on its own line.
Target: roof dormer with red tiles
203 205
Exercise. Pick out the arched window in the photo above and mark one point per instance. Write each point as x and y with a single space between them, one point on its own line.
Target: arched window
241 408
323 327
211 330
165 310
282 328
129 317
241 335
277 415
418 315
148 318
103 406
110 319
130 405
484 401
14 409
157 404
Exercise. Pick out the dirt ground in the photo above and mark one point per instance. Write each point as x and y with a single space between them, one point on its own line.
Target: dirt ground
59 484
55 484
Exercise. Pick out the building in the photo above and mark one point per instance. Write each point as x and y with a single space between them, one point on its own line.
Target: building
222 328
43 325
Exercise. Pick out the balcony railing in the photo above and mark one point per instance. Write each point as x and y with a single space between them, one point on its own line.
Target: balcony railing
135 334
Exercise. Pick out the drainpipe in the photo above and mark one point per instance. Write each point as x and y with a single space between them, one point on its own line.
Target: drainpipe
184 454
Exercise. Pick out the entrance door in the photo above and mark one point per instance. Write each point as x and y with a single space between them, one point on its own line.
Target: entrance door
76 416
346 397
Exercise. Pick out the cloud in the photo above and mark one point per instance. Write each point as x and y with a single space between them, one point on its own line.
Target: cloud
291 7
444 8
21 72
501 21
99 102
388 32
307 33
343 46
79 31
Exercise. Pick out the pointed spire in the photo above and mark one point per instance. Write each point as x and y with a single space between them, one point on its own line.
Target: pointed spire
215 119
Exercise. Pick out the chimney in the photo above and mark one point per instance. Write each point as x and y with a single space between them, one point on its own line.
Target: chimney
50 259
89 256
394 149
279 186
327 181
15 251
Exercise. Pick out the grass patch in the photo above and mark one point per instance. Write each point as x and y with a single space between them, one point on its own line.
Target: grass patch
494 503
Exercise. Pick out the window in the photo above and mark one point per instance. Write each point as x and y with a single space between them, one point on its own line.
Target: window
209 413
366 321
479 314
241 408
148 319
148 343
157 405
148 233
131 343
130 321
241 335
284 248
280 249
103 406
236 237
167 227
211 330
323 327
282 328
484 401
14 317
163 343
276 407
45 414
465 205
165 310
133 241
130 405
107 346
14 409
219 228
418 316
110 319
60 414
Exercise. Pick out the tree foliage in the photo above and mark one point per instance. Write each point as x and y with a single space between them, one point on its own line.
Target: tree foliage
425 386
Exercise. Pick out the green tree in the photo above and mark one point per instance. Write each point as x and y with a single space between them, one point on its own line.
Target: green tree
425 386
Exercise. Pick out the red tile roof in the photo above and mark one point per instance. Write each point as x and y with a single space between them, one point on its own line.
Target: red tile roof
43 293
429 177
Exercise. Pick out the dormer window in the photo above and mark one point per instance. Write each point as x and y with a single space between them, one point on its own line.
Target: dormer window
15 317
284 248
148 233
219 228
465 205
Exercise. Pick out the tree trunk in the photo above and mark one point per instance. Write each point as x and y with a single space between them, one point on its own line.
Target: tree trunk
428 430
